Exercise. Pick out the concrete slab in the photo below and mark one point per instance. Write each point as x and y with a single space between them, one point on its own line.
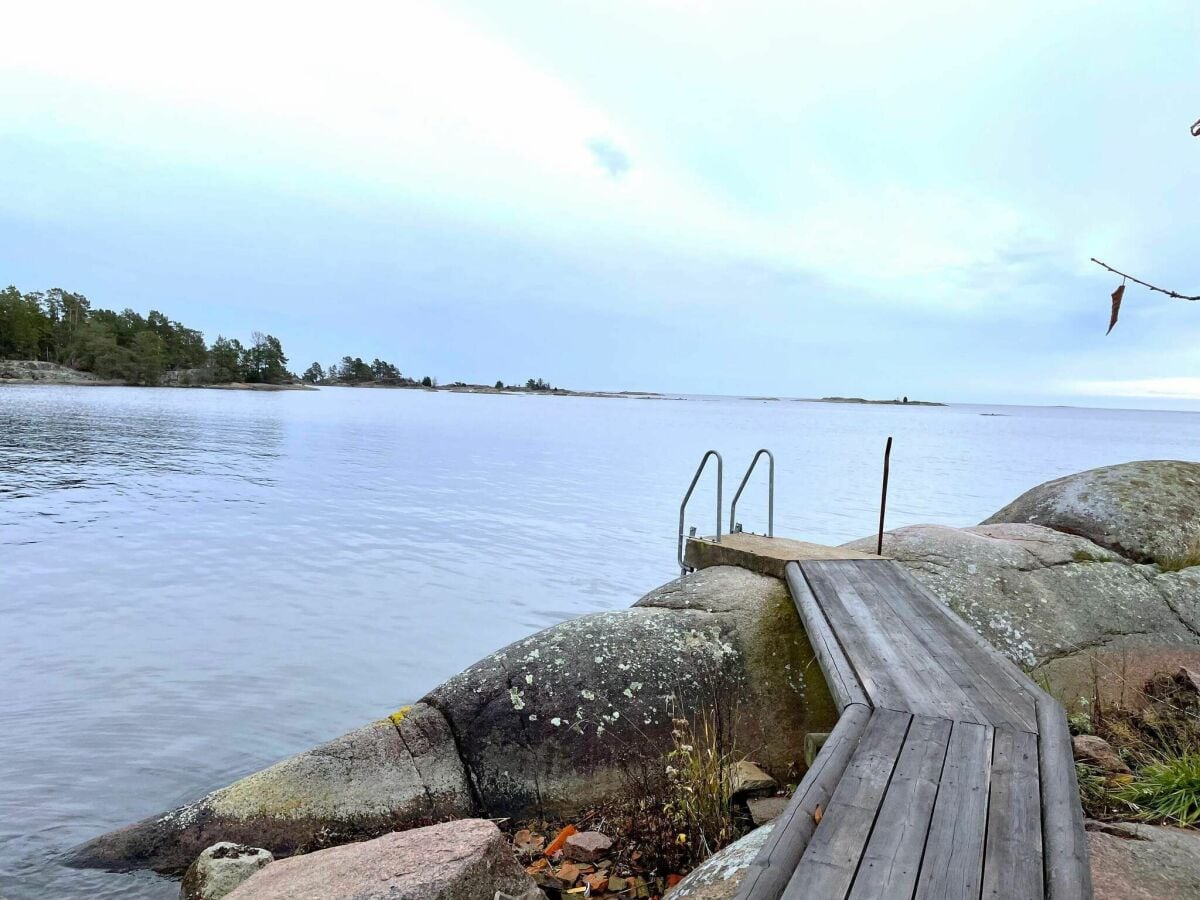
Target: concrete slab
759 553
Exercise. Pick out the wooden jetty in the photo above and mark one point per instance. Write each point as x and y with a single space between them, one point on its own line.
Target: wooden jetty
949 773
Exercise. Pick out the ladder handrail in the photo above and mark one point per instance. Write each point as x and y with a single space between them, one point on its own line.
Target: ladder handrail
688 496
770 492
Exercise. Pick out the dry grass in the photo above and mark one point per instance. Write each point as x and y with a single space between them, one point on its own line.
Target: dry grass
1160 742
700 782
1188 557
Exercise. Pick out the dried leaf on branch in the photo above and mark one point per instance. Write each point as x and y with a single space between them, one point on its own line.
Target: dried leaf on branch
1116 306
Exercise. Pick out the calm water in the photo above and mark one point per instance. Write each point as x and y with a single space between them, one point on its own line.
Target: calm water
194 584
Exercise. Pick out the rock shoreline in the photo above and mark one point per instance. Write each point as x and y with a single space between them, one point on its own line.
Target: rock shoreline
549 725
555 723
25 371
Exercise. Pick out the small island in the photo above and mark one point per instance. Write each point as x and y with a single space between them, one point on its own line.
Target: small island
903 401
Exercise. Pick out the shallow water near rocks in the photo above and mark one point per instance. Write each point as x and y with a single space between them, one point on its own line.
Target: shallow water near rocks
195 584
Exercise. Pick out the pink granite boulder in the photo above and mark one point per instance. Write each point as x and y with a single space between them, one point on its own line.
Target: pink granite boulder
467 859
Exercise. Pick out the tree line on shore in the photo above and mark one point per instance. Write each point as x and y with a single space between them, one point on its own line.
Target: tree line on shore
354 370
62 327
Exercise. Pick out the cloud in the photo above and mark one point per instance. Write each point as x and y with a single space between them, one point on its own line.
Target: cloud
610 157
1178 388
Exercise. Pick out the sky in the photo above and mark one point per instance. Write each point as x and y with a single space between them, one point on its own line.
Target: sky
799 198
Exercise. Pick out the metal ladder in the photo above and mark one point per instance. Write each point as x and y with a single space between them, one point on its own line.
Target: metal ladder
734 525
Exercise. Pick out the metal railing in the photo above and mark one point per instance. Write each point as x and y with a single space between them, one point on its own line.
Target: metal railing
733 526
683 566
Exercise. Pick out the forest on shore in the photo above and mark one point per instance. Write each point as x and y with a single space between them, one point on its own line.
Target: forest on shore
62 327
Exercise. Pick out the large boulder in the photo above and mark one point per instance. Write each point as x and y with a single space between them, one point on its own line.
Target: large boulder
220 869
718 877
464 860
576 713
1081 616
394 773
1145 511
549 725
22 370
1143 862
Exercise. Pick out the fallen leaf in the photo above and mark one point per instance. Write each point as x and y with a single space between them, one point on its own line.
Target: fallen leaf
598 882
560 839
537 865
817 814
567 872
1116 306
673 879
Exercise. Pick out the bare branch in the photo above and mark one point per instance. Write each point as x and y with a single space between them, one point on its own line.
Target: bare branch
1196 129
1174 295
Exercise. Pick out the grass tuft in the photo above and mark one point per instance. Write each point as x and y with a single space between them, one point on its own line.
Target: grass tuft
1168 791
1176 562
700 778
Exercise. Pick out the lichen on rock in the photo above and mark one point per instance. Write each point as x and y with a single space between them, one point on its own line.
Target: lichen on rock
554 722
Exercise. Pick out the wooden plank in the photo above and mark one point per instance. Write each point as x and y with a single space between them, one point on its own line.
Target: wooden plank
925 686
1000 664
839 673
990 664
772 868
1012 862
827 868
867 648
1068 873
953 865
892 859
1001 701
934 661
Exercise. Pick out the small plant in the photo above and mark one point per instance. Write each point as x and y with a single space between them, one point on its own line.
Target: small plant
1168 791
700 779
1096 795
1085 556
1176 562
1080 722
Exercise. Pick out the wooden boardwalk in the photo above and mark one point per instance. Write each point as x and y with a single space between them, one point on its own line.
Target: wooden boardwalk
949 774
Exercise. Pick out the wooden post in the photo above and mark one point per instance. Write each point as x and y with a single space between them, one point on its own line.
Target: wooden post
887 455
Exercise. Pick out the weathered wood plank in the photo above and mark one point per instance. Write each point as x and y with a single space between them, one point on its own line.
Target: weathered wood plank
1001 665
827 868
1012 862
953 865
892 859
1002 702
772 868
924 684
934 662
1068 874
944 790
839 673
877 665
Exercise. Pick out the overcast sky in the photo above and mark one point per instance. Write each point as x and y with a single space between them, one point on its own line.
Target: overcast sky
798 198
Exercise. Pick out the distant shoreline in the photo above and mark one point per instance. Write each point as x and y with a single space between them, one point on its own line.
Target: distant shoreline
904 402
461 388
33 372
24 372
